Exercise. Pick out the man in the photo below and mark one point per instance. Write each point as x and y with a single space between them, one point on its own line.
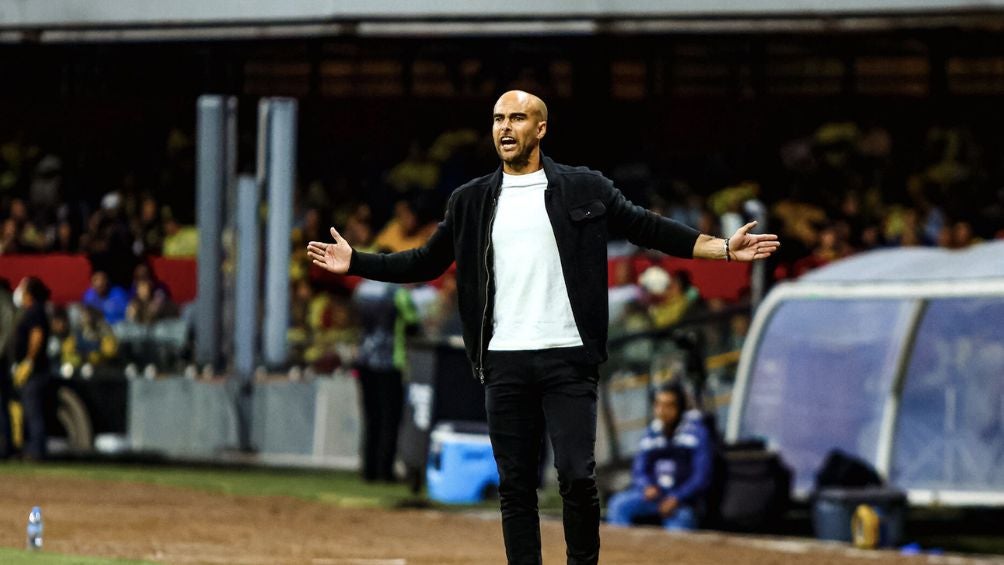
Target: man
111 300
386 312
672 468
31 370
530 242
8 317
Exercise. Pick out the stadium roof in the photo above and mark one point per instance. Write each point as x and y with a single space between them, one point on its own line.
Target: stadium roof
126 20
983 261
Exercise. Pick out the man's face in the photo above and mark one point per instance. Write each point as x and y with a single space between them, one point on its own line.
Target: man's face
144 290
60 326
148 212
99 281
18 210
667 409
20 296
406 217
517 127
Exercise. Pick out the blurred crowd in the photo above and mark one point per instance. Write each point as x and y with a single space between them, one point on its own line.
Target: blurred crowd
839 190
45 209
112 326
845 193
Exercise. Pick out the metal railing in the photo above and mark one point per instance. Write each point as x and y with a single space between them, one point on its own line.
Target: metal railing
702 352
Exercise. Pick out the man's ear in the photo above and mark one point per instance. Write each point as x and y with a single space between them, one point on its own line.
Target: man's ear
541 130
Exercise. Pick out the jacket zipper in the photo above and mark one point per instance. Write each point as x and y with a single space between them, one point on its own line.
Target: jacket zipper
488 283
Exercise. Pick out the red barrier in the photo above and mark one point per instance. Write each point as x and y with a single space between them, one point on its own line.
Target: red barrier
68 276
180 276
714 279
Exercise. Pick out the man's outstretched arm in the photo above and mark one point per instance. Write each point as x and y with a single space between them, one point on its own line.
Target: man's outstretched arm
742 245
415 265
648 229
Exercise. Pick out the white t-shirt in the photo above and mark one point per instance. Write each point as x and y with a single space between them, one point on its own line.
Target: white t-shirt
532 310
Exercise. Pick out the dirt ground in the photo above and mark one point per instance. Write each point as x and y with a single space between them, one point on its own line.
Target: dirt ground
173 525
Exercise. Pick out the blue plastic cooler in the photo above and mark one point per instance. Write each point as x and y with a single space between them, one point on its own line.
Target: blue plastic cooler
461 466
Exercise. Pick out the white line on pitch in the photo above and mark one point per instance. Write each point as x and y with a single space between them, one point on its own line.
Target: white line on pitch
358 561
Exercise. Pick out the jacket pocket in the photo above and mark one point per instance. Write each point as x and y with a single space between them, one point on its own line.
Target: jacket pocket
587 211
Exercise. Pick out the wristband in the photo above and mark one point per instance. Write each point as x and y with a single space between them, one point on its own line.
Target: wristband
728 254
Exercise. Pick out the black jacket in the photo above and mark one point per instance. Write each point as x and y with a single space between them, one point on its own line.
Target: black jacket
584 208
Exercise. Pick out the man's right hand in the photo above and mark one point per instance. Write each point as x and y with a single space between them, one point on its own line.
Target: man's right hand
334 257
652 492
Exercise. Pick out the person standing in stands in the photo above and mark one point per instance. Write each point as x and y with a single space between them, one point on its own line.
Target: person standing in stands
386 314
8 315
31 372
530 243
672 469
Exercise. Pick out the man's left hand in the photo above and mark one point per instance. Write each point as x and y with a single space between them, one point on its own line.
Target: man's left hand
22 372
745 246
668 506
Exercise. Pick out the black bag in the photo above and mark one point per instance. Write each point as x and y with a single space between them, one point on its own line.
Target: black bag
752 489
841 469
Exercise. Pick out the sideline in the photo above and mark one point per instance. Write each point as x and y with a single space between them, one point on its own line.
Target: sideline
803 546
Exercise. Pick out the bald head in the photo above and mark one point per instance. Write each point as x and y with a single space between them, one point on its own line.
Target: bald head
519 122
526 100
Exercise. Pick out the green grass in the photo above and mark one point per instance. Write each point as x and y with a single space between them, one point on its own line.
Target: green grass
949 529
335 487
338 488
10 556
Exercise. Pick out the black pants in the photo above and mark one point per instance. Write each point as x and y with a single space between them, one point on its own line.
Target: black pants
523 390
383 399
33 402
6 394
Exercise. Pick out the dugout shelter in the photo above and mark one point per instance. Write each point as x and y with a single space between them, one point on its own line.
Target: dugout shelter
896 356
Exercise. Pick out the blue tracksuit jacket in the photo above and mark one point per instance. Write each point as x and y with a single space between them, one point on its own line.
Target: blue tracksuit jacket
680 465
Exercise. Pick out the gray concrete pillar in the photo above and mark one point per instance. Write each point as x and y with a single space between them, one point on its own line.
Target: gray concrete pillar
210 188
277 137
246 291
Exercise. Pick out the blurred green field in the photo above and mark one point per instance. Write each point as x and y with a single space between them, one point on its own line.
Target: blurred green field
341 488
18 556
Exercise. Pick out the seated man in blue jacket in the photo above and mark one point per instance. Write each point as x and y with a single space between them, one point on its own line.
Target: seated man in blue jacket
672 469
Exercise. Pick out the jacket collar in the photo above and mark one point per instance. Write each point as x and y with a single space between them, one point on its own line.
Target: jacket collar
550 170
548 164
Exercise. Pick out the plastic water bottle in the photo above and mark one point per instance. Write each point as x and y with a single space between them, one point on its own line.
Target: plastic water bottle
35 529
